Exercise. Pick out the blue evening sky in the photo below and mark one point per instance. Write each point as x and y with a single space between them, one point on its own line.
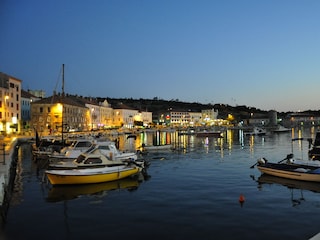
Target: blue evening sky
259 53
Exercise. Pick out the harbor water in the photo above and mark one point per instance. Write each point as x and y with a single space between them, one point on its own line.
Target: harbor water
204 189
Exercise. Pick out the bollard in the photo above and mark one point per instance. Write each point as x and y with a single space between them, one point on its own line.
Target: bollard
4 153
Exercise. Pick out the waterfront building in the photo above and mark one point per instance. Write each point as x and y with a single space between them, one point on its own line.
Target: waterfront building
37 93
178 118
26 99
209 116
302 118
127 117
195 119
59 113
93 113
146 118
10 97
106 115
258 120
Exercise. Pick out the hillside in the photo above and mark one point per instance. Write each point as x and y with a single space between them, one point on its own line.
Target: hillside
157 106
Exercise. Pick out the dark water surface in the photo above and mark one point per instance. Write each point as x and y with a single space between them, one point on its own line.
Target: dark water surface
192 193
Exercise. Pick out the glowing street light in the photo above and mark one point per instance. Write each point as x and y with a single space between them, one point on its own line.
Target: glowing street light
92 110
5 113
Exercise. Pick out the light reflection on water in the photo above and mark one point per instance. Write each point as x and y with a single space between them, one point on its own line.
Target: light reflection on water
192 192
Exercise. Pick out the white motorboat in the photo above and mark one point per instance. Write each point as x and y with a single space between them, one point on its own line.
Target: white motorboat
72 151
257 131
281 129
89 159
100 154
109 149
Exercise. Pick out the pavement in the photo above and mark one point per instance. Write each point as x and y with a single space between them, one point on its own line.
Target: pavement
7 147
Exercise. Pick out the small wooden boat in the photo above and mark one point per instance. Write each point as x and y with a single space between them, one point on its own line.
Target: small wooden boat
91 175
155 148
214 134
291 171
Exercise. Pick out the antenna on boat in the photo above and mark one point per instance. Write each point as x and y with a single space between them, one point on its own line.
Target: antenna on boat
62 95
62 79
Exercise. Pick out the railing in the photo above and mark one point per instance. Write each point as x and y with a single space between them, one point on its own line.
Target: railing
3 149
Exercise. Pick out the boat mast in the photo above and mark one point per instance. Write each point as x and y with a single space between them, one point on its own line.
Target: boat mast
62 79
62 95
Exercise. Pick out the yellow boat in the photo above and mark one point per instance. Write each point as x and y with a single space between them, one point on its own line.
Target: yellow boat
91 175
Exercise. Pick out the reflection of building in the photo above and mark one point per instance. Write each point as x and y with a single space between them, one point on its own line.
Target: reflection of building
10 97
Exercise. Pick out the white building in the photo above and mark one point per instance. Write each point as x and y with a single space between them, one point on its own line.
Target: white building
10 98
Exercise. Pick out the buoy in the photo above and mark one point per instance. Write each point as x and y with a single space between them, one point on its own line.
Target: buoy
241 198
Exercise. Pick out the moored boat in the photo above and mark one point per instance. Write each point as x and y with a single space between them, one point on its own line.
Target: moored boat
256 131
215 134
74 149
314 151
91 175
281 129
109 149
290 171
155 148
93 159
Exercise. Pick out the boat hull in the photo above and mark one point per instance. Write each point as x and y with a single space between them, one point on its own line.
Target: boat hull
156 148
209 134
86 176
289 173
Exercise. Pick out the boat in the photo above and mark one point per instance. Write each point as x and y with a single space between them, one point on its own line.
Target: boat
89 159
215 134
45 146
73 150
109 149
314 151
290 171
94 158
91 175
155 148
256 131
281 129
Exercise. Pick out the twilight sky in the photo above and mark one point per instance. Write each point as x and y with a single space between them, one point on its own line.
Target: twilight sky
259 53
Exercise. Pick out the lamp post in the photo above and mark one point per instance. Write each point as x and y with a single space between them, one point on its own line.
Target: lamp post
5 113
92 110
60 110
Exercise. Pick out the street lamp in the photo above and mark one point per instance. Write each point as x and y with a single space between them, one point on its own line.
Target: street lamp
92 110
5 113
60 110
